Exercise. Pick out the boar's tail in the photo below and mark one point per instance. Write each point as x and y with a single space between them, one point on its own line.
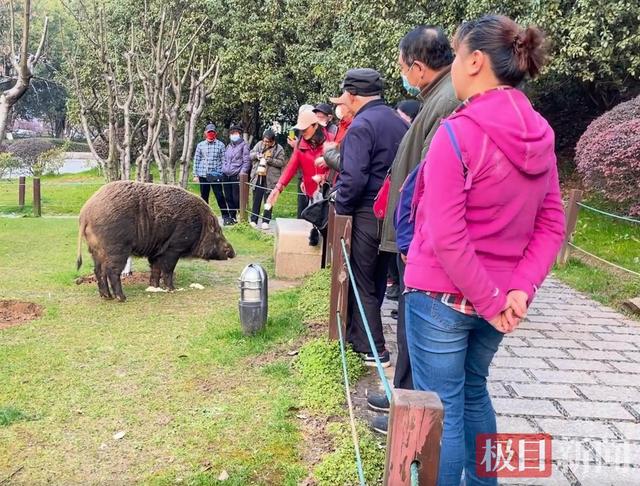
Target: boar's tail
80 235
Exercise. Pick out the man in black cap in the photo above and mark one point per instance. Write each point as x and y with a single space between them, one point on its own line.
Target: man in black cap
325 114
207 168
367 152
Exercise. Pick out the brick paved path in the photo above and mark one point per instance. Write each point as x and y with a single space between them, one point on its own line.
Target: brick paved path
572 370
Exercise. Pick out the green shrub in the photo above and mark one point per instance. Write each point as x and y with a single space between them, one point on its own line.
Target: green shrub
314 297
38 156
339 467
248 232
8 165
320 368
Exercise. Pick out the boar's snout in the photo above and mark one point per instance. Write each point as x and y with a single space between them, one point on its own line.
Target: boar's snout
222 250
231 253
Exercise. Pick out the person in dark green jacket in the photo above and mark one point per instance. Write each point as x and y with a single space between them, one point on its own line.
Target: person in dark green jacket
425 62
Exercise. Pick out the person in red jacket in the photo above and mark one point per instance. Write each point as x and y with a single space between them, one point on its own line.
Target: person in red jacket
307 150
331 156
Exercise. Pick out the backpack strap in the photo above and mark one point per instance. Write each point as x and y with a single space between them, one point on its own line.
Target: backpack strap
456 149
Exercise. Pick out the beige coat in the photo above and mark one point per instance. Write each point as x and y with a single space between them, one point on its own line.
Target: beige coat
275 163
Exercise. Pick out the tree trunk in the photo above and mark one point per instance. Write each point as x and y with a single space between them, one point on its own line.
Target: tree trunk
195 107
4 115
23 64
58 125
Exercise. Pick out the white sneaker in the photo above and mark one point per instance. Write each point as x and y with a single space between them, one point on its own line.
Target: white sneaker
265 226
253 224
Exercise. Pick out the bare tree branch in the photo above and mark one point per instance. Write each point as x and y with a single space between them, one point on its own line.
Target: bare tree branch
12 35
34 60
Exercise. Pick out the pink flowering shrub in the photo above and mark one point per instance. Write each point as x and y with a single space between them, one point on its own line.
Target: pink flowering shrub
608 155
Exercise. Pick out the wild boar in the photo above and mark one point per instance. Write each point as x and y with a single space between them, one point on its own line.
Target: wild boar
160 222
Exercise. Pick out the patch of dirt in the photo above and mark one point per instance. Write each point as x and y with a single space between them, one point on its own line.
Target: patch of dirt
13 312
134 278
317 443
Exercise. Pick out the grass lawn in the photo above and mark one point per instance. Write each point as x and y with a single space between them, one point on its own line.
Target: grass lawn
614 240
193 396
65 194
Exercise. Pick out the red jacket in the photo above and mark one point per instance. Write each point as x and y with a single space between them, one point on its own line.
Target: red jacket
342 129
303 158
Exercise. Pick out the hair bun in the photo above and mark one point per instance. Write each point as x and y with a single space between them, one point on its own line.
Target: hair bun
530 50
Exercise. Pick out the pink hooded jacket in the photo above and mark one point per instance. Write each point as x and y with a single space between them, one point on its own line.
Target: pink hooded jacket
499 229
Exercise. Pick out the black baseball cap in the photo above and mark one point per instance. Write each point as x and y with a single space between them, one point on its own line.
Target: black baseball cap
323 108
362 82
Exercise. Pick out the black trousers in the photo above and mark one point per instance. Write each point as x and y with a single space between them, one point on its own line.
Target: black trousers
260 194
402 377
370 271
214 183
303 201
393 272
232 194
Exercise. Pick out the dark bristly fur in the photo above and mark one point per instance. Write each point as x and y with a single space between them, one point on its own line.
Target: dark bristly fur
160 222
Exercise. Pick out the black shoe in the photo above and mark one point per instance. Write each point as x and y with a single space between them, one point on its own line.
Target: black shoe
370 360
226 222
394 314
380 424
393 292
378 402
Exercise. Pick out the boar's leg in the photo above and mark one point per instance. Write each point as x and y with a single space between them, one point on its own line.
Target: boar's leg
168 263
114 272
154 278
101 279
116 284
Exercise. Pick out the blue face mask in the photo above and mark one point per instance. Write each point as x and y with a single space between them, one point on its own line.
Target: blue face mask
412 90
234 137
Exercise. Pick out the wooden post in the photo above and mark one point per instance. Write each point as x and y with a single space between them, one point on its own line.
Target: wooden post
415 430
22 186
571 220
339 275
330 230
244 197
37 203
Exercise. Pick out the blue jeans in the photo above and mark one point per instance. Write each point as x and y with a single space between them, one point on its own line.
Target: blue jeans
450 355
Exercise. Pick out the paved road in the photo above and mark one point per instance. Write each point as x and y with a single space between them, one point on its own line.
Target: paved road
571 370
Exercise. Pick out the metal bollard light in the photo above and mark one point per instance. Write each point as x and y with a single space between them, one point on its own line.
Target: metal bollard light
253 304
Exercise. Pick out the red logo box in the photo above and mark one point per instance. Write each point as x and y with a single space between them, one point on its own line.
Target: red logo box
513 455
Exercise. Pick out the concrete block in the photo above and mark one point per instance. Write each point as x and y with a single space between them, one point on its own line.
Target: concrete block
575 428
294 257
521 406
596 410
540 390
610 393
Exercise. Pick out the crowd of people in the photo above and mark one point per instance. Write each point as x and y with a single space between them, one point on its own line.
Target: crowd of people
459 190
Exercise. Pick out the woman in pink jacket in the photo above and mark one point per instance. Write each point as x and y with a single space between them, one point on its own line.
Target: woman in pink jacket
489 222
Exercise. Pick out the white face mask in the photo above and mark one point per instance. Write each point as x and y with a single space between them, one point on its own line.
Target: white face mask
234 137
339 113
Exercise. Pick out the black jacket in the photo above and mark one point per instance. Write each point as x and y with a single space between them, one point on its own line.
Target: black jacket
366 154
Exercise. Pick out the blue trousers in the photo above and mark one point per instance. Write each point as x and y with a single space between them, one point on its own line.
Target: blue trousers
450 355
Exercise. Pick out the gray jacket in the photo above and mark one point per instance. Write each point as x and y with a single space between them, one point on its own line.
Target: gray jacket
438 101
275 163
236 159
